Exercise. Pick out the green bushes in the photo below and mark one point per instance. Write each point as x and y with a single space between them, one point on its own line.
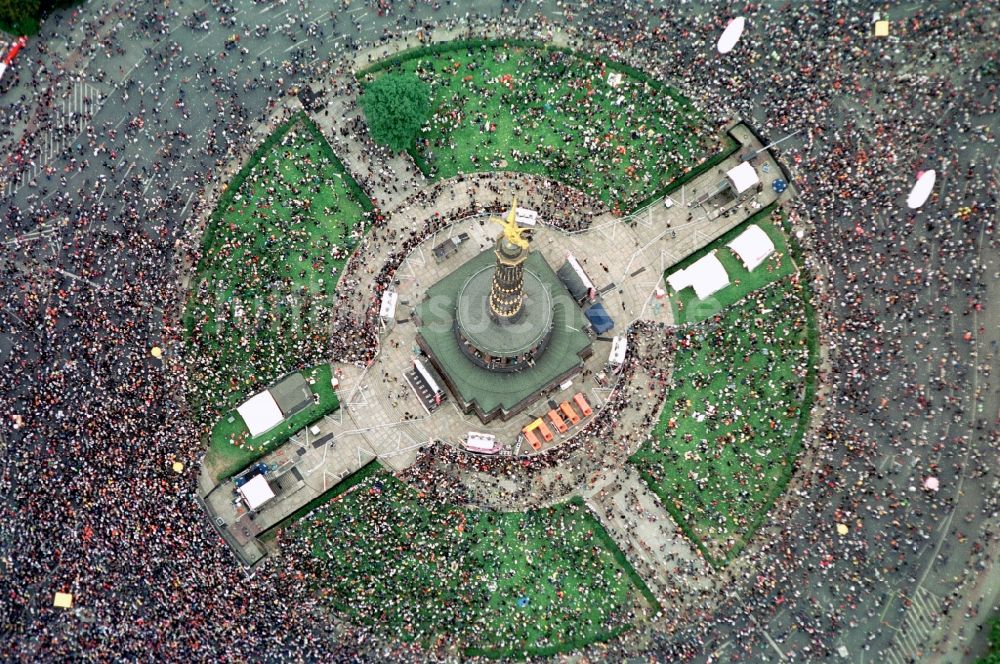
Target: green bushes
396 106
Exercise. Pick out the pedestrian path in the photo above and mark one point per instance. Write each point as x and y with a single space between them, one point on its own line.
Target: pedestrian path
72 115
922 617
646 533
391 178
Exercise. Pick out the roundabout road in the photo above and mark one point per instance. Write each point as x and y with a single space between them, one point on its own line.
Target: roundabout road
99 233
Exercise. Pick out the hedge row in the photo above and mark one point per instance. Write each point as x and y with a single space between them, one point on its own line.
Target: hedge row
622 561
357 192
679 519
338 489
805 412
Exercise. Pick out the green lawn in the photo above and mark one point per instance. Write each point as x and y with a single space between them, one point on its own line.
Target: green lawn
262 298
424 571
688 308
230 446
992 655
551 112
733 420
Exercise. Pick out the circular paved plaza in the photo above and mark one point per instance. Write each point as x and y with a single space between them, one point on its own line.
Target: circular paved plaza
759 417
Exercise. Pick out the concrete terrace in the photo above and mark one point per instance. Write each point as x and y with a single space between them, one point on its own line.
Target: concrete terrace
381 417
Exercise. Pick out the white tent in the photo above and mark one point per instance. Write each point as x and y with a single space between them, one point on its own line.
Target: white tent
260 412
575 264
526 217
256 492
679 280
753 246
743 177
481 442
619 345
388 308
707 276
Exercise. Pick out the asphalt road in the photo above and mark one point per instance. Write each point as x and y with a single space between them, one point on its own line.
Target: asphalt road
165 63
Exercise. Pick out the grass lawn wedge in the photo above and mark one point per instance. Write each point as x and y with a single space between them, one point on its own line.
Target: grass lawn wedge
604 128
687 308
501 584
733 420
263 295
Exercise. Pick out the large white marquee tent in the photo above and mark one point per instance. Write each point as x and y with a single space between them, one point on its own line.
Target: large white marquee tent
260 412
706 275
388 307
753 246
256 492
743 177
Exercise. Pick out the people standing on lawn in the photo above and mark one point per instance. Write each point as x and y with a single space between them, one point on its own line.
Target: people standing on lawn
406 541
93 422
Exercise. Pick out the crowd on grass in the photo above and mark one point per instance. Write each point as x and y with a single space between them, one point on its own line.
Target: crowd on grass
604 132
433 573
728 435
91 422
263 295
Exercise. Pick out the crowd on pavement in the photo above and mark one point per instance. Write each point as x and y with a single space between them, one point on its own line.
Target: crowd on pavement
92 423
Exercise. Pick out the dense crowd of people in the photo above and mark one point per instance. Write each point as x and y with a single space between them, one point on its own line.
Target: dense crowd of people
92 422
606 133
442 575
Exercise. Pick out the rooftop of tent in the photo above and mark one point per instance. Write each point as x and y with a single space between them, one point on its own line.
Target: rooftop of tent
292 393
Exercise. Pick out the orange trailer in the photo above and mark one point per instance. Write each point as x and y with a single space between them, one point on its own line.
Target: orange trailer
582 404
569 412
532 439
557 421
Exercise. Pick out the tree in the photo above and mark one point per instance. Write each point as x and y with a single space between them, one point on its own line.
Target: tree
19 17
396 107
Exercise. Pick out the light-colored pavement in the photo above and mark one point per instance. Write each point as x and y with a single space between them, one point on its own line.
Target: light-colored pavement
646 533
625 259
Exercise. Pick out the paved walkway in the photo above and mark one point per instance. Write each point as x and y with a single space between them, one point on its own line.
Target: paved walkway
625 258
386 177
646 533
